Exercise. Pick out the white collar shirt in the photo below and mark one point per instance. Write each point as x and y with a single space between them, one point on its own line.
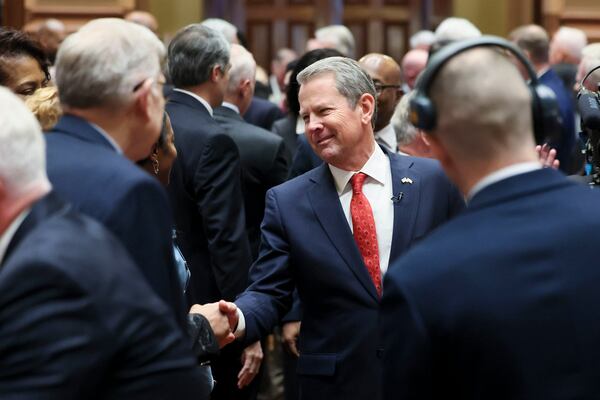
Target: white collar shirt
378 190
387 137
200 99
501 174
231 106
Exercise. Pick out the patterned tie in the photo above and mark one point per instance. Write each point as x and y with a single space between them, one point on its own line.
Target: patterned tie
365 234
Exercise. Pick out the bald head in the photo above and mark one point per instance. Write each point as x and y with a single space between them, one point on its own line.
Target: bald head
240 87
566 45
534 41
481 116
143 18
387 76
413 63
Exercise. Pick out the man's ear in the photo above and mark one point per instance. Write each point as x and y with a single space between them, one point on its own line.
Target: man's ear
215 73
143 98
245 87
367 106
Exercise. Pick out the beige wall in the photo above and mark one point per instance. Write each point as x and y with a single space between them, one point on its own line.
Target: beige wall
175 14
497 17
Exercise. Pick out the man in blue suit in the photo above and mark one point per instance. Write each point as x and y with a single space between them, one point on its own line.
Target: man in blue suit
534 42
332 240
108 75
72 325
502 302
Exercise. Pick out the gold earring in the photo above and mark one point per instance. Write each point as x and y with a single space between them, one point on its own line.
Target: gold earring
155 165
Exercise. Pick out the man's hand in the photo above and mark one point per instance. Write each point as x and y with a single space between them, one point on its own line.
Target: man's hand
290 333
547 156
220 321
251 360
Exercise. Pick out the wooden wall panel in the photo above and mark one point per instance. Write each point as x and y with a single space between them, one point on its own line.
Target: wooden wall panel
259 39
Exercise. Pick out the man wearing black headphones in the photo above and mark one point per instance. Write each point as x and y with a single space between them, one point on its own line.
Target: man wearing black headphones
502 301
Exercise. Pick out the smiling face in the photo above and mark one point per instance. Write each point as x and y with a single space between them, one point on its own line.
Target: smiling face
339 134
24 74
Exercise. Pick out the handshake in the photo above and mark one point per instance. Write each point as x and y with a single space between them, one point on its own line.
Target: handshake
222 317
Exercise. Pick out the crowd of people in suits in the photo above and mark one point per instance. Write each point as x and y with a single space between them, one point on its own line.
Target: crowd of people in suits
404 230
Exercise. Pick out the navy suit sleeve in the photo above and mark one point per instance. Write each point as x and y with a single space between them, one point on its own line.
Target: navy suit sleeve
279 167
64 339
220 202
407 357
143 222
269 295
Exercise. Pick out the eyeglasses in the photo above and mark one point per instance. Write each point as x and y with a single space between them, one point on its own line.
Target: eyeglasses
380 88
160 82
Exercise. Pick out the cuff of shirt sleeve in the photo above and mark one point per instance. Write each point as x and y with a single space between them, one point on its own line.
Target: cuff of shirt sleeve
240 330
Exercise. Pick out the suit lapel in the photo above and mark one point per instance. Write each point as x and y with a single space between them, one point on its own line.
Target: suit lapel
326 205
406 203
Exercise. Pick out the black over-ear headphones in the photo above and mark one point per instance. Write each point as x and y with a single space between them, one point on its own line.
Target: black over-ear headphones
546 116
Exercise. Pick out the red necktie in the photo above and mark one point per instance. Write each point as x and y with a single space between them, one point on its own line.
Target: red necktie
365 234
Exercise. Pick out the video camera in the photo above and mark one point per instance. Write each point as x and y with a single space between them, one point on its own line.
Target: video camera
588 103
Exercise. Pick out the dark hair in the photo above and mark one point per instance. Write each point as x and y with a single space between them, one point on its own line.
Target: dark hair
193 53
303 62
15 43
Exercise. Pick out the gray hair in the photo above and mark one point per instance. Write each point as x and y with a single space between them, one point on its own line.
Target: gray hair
22 147
194 52
422 38
101 64
350 79
243 67
339 36
405 131
454 29
227 29
571 40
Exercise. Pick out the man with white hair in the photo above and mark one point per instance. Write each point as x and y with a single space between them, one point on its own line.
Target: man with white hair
226 28
454 29
422 40
565 54
590 58
109 80
410 139
77 318
502 302
338 37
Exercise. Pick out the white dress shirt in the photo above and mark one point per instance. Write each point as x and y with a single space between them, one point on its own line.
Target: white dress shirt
387 137
231 106
200 99
501 174
378 190
10 232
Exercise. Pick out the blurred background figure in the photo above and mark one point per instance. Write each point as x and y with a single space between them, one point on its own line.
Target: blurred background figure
45 105
278 69
413 63
422 40
23 63
337 37
226 28
143 18
565 53
51 34
411 140
590 56
387 78
452 30
534 42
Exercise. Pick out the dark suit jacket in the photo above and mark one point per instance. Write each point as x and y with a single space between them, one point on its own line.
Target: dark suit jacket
307 243
209 210
565 144
264 165
78 321
286 129
503 301
305 158
88 172
262 113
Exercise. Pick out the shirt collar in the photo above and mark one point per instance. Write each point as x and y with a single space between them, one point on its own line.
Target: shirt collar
106 136
501 174
387 136
375 167
231 106
200 99
10 232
